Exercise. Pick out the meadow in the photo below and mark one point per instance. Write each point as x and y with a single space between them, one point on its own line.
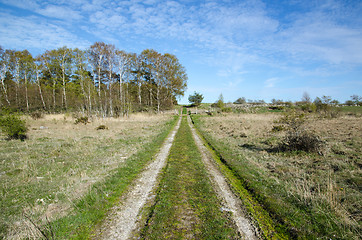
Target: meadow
63 180
45 177
308 194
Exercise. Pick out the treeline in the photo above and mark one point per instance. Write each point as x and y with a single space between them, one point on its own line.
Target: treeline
100 80
306 100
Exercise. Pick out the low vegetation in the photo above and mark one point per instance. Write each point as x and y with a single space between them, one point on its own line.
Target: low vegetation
312 194
298 137
13 126
186 207
62 179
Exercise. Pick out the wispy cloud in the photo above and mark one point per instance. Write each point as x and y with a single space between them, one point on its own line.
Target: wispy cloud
14 32
230 34
60 12
270 83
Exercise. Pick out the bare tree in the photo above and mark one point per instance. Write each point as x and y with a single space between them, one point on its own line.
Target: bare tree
4 68
123 61
306 98
38 68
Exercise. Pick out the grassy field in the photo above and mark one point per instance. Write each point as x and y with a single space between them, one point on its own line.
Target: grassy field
46 180
311 195
186 207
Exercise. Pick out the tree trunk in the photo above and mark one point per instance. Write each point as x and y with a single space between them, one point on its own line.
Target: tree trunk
5 91
64 91
26 93
158 99
40 92
151 96
110 94
54 101
139 93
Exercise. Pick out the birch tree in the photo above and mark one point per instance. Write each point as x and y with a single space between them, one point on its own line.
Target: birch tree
38 66
26 72
4 68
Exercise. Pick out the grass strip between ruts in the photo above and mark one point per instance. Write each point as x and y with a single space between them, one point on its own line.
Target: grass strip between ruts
186 205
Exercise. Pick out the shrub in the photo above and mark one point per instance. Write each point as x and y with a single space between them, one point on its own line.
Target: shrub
83 120
305 141
102 127
13 127
226 109
36 115
292 121
297 138
276 108
277 128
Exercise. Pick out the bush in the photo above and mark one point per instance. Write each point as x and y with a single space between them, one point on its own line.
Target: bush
83 120
36 115
102 127
278 128
297 137
226 109
13 127
305 141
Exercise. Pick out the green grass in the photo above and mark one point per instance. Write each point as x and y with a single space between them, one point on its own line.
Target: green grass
292 201
186 206
269 228
43 174
92 208
352 109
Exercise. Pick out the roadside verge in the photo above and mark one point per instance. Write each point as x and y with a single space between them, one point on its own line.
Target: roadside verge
260 217
123 218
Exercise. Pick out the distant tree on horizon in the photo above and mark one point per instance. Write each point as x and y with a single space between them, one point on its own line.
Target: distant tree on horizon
220 102
241 100
306 98
196 99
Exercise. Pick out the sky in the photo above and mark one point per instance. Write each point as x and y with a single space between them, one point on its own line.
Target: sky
260 50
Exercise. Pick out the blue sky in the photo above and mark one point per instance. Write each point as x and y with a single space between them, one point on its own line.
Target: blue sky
253 49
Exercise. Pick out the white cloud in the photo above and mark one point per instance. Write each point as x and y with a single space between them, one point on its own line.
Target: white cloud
30 32
24 4
235 32
270 83
60 12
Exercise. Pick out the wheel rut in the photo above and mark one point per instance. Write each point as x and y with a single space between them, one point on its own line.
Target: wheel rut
126 218
123 218
231 202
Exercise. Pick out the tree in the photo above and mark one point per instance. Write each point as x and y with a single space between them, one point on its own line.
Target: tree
220 102
4 68
38 66
64 58
306 98
357 100
27 70
196 99
240 101
176 76
101 80
123 61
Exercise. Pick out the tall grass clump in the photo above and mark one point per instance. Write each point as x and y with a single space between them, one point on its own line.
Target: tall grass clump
297 137
13 126
37 115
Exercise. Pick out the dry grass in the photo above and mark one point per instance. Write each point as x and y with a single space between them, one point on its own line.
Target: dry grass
60 161
329 184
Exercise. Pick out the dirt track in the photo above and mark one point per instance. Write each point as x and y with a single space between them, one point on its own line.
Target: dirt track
124 218
230 201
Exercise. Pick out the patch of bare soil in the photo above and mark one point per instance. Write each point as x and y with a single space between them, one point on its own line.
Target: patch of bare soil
123 219
231 202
